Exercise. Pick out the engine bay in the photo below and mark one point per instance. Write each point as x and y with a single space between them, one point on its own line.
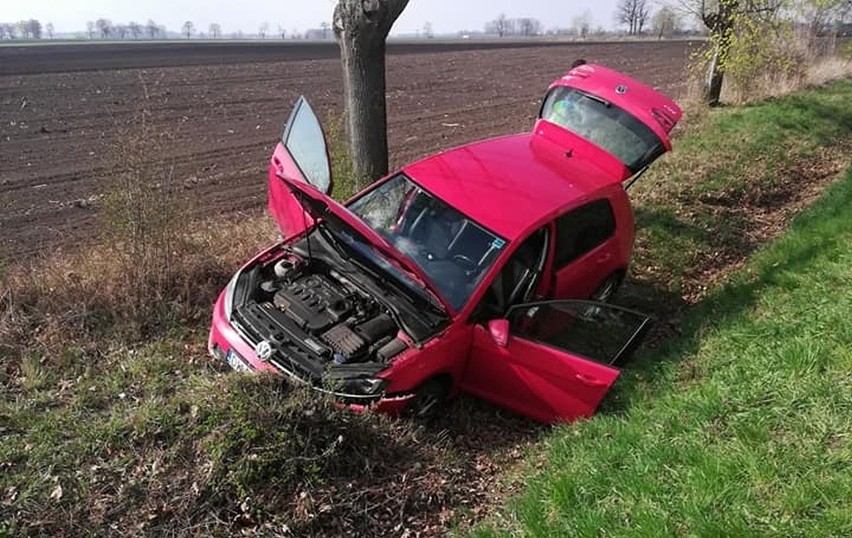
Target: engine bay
310 310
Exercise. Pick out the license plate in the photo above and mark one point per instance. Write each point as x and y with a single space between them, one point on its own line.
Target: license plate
236 362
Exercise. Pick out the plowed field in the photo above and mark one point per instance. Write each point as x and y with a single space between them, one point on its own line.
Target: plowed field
224 110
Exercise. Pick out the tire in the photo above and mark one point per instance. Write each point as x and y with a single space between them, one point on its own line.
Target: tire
607 289
428 399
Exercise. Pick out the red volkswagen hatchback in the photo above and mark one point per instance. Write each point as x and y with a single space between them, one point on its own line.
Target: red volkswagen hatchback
483 268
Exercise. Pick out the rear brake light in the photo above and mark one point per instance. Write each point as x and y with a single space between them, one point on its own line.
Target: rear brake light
665 122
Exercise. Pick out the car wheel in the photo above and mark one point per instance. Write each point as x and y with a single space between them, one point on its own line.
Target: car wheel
428 400
607 290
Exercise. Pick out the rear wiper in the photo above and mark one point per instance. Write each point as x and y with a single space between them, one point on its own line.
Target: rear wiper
600 100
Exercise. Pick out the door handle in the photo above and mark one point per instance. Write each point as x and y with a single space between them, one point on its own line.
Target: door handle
588 380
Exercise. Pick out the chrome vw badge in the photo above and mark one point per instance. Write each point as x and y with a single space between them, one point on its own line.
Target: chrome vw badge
263 350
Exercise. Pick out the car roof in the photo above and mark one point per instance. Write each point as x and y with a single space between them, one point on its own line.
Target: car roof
511 183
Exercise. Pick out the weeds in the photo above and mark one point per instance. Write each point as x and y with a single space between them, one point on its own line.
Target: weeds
767 58
146 276
141 220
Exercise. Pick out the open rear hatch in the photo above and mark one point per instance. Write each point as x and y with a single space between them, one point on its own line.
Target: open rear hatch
601 115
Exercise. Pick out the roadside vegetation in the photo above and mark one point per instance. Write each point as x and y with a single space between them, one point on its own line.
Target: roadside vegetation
737 421
739 427
112 415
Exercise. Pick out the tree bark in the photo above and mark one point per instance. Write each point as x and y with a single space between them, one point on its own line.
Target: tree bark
715 77
720 24
362 26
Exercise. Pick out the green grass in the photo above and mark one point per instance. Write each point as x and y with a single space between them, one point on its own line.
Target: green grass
703 205
741 427
156 440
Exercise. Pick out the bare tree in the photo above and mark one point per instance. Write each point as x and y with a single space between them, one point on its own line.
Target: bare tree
134 29
324 26
215 30
12 31
188 29
501 26
263 30
824 17
664 22
121 31
152 29
528 27
581 24
29 29
104 27
282 31
49 29
633 13
362 28
35 28
427 30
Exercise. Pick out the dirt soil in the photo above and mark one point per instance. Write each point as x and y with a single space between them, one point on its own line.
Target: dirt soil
59 128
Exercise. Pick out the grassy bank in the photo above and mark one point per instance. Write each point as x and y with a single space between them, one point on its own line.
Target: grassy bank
740 426
114 424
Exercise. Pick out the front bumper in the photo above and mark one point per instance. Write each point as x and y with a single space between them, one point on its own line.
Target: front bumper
224 339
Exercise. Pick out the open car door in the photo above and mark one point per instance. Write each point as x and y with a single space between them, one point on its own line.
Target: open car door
300 156
553 361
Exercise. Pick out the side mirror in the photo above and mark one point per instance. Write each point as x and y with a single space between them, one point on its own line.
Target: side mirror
499 330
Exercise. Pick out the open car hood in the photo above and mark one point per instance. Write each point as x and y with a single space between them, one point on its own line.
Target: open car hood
318 205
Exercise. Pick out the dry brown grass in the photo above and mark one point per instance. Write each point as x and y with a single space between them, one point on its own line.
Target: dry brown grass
88 299
150 271
816 72
767 63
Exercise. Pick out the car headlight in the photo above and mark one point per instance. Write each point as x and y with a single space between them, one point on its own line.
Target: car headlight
367 386
229 295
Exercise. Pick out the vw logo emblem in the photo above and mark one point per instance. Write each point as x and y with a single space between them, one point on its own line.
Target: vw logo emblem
621 89
263 350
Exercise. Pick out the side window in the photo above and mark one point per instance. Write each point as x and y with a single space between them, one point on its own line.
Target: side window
598 332
305 141
516 281
583 229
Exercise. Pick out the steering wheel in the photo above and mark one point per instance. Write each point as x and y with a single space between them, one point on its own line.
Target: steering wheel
467 264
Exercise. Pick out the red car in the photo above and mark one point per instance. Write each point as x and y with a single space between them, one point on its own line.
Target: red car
483 268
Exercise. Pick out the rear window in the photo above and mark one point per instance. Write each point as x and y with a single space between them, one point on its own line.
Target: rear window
604 124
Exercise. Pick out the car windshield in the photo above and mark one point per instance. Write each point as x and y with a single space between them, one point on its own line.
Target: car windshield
451 249
603 124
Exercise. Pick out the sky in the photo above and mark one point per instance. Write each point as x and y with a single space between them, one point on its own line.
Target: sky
446 16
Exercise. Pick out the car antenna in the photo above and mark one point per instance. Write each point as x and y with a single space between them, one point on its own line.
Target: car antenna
635 178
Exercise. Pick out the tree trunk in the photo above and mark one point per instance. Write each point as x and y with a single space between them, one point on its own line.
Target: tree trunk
364 89
362 27
721 25
715 77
